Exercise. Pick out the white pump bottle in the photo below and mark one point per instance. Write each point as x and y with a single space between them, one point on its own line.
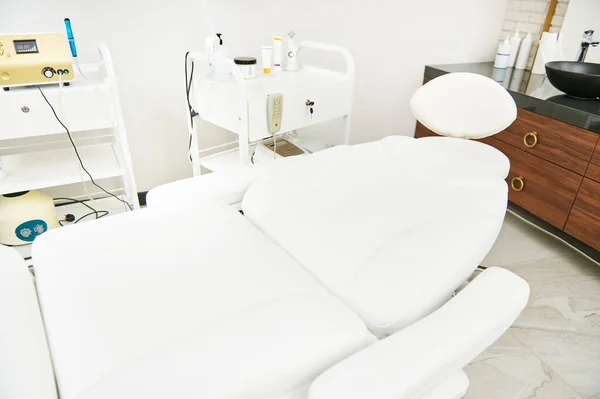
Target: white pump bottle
291 63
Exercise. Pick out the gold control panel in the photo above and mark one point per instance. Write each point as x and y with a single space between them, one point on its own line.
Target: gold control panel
34 59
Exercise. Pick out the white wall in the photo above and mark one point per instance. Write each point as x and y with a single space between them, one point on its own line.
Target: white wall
527 16
581 16
559 16
391 40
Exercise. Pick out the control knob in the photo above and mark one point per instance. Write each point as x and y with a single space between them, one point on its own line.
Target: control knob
48 72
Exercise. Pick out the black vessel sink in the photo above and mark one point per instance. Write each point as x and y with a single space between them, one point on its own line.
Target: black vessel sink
576 79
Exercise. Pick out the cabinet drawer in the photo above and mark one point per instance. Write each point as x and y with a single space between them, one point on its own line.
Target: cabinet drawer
80 108
539 186
584 220
593 171
333 99
560 143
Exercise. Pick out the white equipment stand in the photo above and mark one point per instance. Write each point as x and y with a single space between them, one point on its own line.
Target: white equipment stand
240 105
36 151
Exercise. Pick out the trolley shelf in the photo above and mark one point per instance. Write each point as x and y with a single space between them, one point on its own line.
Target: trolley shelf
35 170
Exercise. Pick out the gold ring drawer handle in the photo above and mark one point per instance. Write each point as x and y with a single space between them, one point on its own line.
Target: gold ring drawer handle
517 183
530 143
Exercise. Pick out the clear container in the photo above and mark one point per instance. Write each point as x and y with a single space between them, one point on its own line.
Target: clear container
247 66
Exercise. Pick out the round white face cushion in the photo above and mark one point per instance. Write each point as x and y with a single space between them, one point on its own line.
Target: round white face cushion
464 105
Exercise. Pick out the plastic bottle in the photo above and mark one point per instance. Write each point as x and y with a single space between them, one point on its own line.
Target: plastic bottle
277 53
523 56
515 42
221 71
502 55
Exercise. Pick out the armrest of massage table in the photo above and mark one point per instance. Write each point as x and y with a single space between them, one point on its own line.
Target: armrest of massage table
227 187
426 358
25 365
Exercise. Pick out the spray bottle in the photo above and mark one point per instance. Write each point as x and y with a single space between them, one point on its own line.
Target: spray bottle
217 53
515 42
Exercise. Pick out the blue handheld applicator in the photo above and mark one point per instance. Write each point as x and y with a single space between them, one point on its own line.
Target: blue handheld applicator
70 37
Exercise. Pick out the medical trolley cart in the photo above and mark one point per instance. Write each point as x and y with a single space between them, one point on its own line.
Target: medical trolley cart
311 95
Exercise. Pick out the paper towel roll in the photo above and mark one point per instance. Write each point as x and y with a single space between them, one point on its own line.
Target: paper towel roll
546 52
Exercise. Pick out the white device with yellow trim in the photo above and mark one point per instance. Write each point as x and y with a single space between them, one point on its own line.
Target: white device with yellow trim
34 59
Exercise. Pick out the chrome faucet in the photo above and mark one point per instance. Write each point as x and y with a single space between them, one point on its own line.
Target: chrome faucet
585 45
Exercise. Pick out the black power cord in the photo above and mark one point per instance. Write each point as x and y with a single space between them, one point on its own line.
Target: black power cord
77 153
188 86
75 201
71 218
103 213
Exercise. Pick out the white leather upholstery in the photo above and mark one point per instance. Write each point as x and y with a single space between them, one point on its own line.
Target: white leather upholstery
25 365
464 105
263 352
190 299
392 227
454 386
412 362
184 304
227 187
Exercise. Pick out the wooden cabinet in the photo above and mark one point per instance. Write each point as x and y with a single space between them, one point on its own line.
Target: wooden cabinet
593 170
544 189
560 143
554 172
422 131
584 220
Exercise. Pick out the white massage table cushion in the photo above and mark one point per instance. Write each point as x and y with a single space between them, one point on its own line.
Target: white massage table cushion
464 105
190 303
391 227
25 366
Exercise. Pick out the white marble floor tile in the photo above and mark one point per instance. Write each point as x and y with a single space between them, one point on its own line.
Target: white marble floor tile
570 307
518 243
508 370
575 357
563 269
553 349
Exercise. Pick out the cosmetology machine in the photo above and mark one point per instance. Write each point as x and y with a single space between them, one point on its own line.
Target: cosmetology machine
34 59
264 107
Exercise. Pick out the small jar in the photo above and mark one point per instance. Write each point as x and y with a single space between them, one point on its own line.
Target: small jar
247 66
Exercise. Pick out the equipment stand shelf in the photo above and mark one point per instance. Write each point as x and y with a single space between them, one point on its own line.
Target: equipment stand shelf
240 105
36 151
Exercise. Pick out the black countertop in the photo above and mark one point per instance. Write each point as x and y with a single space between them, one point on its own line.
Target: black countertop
532 92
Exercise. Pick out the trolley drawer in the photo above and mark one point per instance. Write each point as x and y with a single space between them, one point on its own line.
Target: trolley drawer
331 100
25 113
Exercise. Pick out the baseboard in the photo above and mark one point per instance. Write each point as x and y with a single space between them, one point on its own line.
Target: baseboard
572 241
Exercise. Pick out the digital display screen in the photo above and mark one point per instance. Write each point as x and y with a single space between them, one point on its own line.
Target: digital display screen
26 46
